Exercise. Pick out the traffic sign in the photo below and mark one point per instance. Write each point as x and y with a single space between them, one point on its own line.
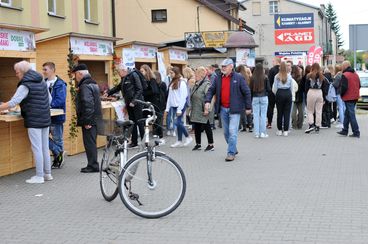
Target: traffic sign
294 36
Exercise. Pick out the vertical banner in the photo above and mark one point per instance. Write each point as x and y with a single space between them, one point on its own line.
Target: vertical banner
128 57
314 55
161 65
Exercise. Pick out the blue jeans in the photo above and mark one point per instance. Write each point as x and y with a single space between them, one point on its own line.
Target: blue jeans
260 105
180 124
350 118
230 123
56 142
170 118
341 105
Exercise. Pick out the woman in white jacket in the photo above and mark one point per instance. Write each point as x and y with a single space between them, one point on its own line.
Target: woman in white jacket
177 100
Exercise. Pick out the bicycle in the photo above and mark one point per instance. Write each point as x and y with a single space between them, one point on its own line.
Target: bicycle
150 183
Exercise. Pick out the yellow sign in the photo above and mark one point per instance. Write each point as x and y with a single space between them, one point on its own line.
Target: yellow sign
215 38
278 21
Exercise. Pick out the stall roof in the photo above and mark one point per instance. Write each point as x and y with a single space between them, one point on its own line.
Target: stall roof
35 30
74 34
177 48
140 43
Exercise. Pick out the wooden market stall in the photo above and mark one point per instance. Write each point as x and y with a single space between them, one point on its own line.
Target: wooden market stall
175 56
17 43
143 52
97 53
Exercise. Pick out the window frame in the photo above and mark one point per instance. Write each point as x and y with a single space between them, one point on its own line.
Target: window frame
275 6
87 6
9 4
54 12
153 15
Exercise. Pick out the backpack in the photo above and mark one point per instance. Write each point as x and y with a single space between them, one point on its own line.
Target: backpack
331 95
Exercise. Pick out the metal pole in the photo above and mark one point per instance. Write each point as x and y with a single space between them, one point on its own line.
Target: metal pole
355 45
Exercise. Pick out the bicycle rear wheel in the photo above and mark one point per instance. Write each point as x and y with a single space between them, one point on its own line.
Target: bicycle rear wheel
109 171
155 197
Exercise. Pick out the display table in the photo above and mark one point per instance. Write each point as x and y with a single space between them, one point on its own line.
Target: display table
15 148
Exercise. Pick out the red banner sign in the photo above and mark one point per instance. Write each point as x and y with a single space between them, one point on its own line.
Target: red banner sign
294 36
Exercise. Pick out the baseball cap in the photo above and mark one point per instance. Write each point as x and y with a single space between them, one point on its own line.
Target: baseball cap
227 61
79 67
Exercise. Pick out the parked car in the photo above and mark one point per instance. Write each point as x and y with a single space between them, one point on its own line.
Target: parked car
363 100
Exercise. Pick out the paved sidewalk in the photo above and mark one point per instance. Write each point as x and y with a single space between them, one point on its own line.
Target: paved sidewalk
296 189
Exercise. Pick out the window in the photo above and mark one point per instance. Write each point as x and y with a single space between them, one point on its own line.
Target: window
90 11
256 8
274 7
159 15
6 3
52 6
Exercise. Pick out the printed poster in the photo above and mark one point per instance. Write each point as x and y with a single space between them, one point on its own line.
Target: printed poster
17 40
128 57
245 56
91 46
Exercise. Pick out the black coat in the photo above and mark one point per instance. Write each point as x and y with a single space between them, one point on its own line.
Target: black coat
88 102
130 87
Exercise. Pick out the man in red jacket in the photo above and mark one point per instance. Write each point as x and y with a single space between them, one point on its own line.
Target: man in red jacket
350 85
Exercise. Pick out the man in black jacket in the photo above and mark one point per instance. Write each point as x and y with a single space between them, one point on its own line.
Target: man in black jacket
89 112
131 89
271 97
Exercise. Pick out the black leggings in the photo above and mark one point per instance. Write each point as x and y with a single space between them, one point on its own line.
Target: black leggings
198 128
283 105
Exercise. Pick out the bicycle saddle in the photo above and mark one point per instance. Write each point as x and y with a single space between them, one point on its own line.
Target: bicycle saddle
125 123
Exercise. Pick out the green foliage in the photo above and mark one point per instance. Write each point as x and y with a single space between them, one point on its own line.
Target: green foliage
72 60
334 22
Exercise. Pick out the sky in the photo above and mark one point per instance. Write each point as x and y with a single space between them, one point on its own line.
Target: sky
348 12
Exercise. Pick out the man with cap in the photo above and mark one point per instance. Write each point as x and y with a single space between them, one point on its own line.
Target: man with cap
89 112
233 96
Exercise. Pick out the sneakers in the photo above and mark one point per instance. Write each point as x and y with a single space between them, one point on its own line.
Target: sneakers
132 145
269 126
263 135
174 134
188 140
311 128
161 142
197 147
354 135
256 136
209 148
155 136
279 133
177 144
48 177
168 133
317 130
339 126
35 180
285 133
58 160
229 158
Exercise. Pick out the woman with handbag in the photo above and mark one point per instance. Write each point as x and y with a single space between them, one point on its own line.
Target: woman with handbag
201 120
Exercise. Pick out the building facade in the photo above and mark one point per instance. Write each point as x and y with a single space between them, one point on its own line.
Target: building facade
276 39
60 16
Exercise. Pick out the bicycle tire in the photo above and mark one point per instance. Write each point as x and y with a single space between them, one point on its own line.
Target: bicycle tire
108 174
133 173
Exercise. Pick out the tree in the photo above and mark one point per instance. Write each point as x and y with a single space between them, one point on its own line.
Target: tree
333 21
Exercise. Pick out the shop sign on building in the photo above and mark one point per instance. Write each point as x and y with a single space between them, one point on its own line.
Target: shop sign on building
294 36
144 51
128 57
206 39
292 21
91 46
17 40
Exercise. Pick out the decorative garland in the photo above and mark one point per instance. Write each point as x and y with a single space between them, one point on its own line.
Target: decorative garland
72 60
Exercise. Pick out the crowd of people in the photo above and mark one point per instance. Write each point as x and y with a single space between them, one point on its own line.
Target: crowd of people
241 98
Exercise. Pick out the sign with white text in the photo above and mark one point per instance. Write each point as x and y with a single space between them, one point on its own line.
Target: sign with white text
144 51
17 40
294 36
178 55
91 46
292 21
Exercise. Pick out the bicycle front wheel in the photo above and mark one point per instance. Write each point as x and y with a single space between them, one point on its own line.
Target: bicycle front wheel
109 171
152 189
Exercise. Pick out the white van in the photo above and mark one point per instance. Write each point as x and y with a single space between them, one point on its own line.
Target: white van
363 100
